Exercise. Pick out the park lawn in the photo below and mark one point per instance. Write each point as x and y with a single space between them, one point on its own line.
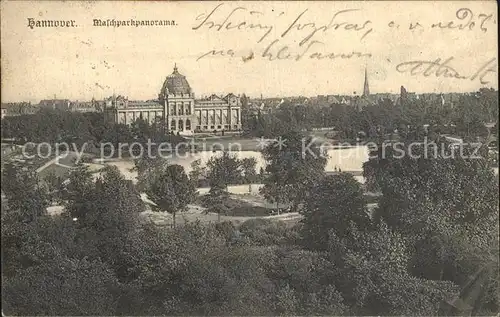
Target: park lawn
64 165
58 170
234 143
248 211
237 210
236 207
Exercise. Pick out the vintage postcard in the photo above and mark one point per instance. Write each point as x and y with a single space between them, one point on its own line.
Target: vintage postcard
255 158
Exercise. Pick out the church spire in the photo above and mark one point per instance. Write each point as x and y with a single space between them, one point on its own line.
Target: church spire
366 88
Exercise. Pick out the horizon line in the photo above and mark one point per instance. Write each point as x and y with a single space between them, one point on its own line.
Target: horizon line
355 94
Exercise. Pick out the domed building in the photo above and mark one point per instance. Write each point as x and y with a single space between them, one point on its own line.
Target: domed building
177 108
177 100
175 84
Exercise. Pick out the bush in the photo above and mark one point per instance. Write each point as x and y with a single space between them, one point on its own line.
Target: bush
62 286
268 232
225 229
86 158
248 211
234 207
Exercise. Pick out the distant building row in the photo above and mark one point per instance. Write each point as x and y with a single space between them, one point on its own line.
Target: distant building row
358 102
22 108
178 111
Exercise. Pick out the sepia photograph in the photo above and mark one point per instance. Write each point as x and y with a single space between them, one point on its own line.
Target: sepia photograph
249 158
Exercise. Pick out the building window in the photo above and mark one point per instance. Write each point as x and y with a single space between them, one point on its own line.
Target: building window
181 125
235 127
172 125
188 108
226 127
212 127
218 127
198 127
188 124
174 110
181 109
205 127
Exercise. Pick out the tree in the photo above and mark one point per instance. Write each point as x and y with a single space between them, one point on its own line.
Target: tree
113 193
62 286
53 125
223 170
373 274
216 200
78 192
118 134
57 253
148 168
197 172
292 168
18 237
248 166
266 232
333 204
42 272
141 130
54 184
107 218
172 191
447 205
306 277
444 176
24 191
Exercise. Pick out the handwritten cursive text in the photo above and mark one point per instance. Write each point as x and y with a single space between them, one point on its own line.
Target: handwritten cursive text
444 69
228 23
467 21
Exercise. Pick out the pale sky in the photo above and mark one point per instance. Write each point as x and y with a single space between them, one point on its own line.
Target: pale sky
90 61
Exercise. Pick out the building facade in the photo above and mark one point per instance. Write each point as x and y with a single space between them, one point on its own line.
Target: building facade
177 108
86 106
218 113
118 109
68 105
55 104
13 109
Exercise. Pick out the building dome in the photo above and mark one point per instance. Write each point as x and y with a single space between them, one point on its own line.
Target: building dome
176 84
